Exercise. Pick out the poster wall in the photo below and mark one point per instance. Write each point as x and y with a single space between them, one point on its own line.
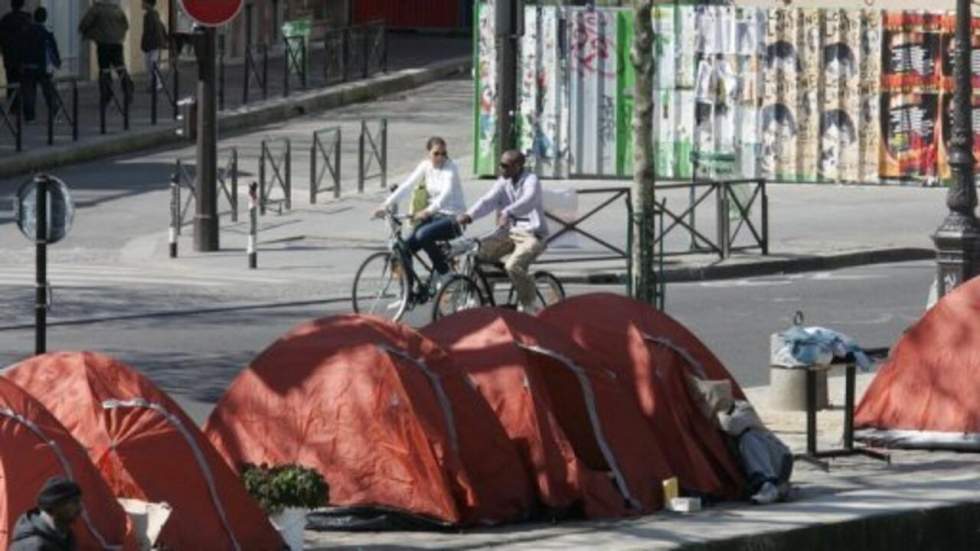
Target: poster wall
788 94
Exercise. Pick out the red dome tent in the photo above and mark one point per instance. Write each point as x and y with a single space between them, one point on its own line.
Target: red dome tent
383 413
34 446
147 448
582 442
650 353
927 394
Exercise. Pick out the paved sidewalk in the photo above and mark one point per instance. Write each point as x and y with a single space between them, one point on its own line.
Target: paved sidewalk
406 52
921 501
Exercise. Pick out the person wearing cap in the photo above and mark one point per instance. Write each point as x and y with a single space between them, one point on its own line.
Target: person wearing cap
48 526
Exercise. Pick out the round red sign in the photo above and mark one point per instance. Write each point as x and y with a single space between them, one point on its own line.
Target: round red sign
212 13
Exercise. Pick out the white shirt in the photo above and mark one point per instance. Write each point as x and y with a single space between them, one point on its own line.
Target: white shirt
445 189
521 201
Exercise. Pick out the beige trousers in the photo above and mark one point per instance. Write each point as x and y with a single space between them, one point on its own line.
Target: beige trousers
523 248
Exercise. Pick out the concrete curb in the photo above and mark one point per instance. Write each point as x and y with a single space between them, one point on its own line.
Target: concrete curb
763 266
270 111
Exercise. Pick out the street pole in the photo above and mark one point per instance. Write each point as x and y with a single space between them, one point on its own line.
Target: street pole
507 17
41 273
958 237
206 215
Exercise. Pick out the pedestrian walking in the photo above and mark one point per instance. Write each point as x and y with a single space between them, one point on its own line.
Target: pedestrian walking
105 24
154 40
41 60
12 26
48 526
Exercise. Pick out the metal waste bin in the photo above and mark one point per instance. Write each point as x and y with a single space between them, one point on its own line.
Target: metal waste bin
187 115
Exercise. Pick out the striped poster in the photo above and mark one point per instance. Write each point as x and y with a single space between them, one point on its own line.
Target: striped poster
539 124
869 129
840 105
808 92
592 75
750 32
778 122
485 86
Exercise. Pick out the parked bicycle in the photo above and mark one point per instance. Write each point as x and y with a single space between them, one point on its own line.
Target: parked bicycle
381 286
474 282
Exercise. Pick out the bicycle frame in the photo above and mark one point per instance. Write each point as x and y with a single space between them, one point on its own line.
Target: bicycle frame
398 245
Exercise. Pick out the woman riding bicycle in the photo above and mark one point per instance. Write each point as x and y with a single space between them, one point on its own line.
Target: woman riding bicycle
437 198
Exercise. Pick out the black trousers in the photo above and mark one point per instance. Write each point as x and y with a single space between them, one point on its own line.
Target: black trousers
30 79
110 58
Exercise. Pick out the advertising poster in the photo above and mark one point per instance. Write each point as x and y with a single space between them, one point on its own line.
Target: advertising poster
945 132
665 47
909 138
840 106
529 94
665 122
778 121
910 52
716 91
808 91
625 84
592 73
664 84
684 134
484 158
869 128
539 124
750 33
686 34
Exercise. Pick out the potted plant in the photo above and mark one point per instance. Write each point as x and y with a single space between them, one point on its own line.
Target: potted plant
286 493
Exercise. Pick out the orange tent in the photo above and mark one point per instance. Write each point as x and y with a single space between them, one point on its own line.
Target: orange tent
147 448
383 413
34 446
650 353
927 394
584 444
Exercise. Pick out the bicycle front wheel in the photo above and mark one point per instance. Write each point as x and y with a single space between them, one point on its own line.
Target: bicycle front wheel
457 293
380 287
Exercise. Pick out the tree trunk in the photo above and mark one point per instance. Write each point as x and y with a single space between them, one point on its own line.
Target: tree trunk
644 275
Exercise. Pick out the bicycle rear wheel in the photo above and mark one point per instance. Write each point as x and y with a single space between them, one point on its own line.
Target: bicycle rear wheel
459 292
380 287
548 290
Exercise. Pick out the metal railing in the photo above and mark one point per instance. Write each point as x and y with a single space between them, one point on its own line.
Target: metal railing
57 110
12 114
185 176
325 151
608 251
108 97
356 50
275 170
294 62
372 149
169 83
252 72
728 206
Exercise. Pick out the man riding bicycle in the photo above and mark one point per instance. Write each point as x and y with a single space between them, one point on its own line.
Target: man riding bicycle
517 199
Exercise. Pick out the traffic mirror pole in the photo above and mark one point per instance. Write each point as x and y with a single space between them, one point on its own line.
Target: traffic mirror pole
41 282
206 216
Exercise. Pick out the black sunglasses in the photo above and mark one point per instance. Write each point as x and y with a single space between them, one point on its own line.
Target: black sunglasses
440 153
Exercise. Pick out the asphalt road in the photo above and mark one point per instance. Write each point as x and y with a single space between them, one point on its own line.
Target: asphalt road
194 356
